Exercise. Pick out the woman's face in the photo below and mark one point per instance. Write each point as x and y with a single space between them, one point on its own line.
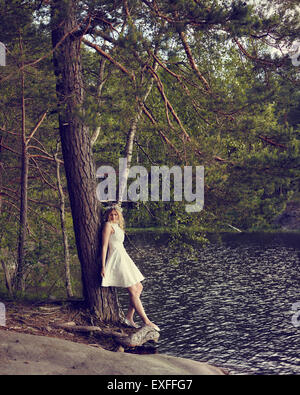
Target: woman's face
113 216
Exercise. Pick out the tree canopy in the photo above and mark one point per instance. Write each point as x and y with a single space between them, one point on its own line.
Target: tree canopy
192 82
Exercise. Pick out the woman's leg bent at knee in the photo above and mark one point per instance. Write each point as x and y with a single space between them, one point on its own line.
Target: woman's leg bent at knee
134 295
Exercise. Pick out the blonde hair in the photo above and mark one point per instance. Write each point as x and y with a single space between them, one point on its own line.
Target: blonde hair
121 218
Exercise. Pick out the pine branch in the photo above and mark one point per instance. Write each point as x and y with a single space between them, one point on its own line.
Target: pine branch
48 54
255 58
42 175
164 137
36 127
108 57
271 142
9 149
192 61
168 105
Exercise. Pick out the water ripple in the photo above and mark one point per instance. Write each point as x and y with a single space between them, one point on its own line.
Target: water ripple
230 305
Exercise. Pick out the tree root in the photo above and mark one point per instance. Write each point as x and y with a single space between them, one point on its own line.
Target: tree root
135 339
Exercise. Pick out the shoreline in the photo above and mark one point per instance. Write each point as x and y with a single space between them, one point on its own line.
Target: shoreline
32 326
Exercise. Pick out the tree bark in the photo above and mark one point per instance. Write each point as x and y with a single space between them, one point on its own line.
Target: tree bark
77 154
100 84
7 277
63 228
20 284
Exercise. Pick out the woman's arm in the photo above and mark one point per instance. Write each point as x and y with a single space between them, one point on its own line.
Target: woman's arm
107 230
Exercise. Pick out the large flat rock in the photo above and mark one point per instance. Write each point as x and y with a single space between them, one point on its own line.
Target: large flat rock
26 354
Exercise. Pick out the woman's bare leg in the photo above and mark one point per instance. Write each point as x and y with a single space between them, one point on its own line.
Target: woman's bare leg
136 305
130 312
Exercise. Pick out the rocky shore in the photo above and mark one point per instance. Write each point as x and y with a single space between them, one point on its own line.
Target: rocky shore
39 338
25 354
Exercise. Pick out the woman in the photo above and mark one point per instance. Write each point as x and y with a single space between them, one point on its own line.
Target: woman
118 269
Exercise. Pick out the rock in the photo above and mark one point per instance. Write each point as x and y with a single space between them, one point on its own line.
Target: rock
290 218
26 354
143 335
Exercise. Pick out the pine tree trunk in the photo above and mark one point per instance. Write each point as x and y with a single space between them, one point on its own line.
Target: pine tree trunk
20 272
77 154
63 228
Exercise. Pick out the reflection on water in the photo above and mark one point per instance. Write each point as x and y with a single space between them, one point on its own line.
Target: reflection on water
230 305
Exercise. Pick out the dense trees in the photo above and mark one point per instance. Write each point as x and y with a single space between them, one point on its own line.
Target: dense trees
187 82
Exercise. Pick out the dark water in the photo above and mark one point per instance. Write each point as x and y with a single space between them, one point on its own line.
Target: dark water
230 305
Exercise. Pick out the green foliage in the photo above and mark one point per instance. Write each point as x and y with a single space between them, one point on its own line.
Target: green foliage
245 132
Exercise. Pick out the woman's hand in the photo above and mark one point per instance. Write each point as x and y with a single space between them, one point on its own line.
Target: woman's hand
107 230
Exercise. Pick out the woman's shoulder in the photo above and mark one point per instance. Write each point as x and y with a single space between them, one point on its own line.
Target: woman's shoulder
107 226
110 225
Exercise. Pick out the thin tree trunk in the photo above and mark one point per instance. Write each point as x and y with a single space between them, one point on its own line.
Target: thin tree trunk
101 82
132 133
63 228
20 282
7 277
136 119
79 166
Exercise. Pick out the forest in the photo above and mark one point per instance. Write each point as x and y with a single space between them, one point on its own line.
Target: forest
207 83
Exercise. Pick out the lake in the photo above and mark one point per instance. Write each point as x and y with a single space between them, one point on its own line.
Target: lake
230 304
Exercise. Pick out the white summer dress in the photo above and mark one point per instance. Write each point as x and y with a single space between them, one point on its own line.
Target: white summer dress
120 270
